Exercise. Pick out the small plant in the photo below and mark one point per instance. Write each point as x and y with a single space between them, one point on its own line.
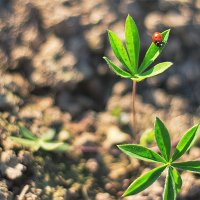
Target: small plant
129 57
44 142
173 180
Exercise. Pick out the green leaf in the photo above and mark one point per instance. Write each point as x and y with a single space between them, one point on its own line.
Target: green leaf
50 146
144 181
153 52
132 42
140 152
49 135
26 133
169 189
157 69
193 166
185 143
26 143
119 50
162 138
177 179
116 69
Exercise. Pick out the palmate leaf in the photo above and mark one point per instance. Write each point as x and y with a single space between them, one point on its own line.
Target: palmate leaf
177 179
157 69
119 50
144 181
117 69
153 52
185 142
193 166
132 42
162 138
140 152
26 133
169 189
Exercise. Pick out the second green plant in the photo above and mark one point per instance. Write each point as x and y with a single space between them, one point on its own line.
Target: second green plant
173 180
44 142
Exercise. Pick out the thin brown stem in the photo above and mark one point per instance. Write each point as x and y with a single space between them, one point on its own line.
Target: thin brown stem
134 111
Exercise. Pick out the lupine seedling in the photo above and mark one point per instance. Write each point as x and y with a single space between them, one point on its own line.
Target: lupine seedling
35 143
128 56
173 181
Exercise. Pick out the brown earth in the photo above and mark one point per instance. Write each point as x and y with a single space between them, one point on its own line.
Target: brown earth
53 77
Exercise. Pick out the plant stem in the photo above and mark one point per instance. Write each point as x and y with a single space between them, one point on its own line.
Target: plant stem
134 111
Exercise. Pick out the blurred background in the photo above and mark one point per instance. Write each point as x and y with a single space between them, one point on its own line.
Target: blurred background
52 75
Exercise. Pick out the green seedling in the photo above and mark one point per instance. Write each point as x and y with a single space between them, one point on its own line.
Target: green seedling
44 142
128 56
173 180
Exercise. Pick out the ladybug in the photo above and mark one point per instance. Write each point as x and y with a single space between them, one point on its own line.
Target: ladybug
157 39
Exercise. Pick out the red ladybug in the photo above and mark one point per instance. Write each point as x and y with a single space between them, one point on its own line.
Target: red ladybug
157 39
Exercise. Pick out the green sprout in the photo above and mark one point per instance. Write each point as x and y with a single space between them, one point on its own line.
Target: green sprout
173 181
129 57
44 142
